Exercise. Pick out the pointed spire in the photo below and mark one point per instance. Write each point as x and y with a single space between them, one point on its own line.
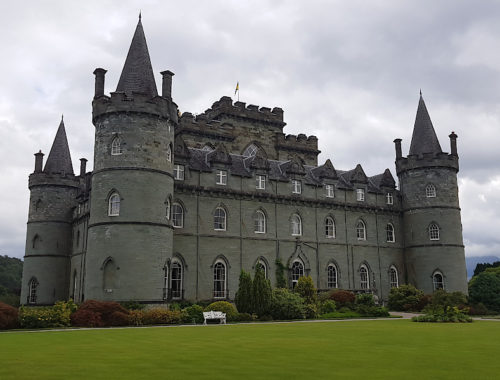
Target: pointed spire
424 139
137 74
59 160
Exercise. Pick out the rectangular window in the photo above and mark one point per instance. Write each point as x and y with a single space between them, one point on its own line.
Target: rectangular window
360 195
221 177
329 191
296 186
179 172
260 182
389 198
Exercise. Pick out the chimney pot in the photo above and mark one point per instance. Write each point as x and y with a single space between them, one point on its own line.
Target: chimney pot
99 82
166 90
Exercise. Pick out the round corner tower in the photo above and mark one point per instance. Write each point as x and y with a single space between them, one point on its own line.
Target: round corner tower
434 250
48 238
129 235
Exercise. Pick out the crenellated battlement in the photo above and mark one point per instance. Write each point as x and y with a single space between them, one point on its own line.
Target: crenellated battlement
53 179
225 107
301 143
426 160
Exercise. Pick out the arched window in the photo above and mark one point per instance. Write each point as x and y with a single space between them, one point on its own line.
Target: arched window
438 281
75 283
77 238
393 277
430 191
176 280
220 219
364 277
36 241
260 222
250 151
116 146
329 227
297 272
169 153
433 231
165 282
109 276
32 290
177 215
167 209
389 229
220 280
332 276
296 225
262 265
114 205
361 230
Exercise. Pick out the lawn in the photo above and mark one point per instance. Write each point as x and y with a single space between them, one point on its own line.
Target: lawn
311 350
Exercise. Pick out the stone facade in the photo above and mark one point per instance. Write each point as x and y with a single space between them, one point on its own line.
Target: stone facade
178 205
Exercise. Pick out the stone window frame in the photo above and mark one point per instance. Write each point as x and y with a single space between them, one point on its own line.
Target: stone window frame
221 177
168 208
260 225
389 199
250 151
262 263
296 186
430 191
296 225
393 277
116 146
364 277
297 270
220 219
75 285
330 227
114 204
260 182
332 276
438 280
169 152
32 290
390 233
360 195
176 264
329 190
177 211
179 172
434 232
361 230
220 279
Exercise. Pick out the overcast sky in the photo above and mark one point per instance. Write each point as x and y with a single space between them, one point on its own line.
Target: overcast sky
348 72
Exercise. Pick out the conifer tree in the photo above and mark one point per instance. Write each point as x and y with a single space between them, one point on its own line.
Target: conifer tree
243 297
261 293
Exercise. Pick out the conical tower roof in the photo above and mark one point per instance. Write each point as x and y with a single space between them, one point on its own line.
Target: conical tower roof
59 160
424 139
137 74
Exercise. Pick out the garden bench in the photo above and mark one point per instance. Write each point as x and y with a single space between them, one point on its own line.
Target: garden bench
214 315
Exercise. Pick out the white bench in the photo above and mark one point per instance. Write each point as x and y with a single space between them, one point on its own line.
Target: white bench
214 315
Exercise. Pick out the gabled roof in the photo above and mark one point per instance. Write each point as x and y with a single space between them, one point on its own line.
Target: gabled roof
59 160
137 74
424 139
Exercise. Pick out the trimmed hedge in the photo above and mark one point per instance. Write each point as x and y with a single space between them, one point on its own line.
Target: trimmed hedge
100 314
47 316
343 298
225 307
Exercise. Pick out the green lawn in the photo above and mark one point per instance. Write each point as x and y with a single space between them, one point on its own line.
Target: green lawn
315 350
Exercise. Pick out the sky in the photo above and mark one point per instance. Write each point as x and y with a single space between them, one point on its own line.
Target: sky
348 72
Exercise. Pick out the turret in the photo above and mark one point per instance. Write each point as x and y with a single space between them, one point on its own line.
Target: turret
129 235
48 237
434 250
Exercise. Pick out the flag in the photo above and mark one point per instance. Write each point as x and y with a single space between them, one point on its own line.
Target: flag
237 88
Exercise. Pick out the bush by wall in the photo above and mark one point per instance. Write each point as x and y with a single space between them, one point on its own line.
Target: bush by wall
405 298
225 307
343 298
193 313
8 317
261 293
287 305
161 316
49 316
327 306
305 288
93 313
243 297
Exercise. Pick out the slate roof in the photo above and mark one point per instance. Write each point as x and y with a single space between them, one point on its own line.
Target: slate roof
59 160
137 74
424 139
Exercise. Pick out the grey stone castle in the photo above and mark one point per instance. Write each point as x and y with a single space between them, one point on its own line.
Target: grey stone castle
177 205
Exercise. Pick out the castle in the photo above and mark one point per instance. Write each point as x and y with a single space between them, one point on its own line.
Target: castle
177 205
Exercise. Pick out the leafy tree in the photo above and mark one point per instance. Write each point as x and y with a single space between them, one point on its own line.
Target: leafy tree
280 274
481 267
261 293
11 271
287 305
243 297
485 288
305 288
405 298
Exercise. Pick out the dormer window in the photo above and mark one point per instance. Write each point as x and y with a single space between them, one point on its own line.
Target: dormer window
250 151
296 186
389 199
260 182
360 195
179 172
116 146
221 177
329 191
430 191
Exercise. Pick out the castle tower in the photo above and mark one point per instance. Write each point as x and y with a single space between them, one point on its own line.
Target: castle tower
48 237
129 235
434 249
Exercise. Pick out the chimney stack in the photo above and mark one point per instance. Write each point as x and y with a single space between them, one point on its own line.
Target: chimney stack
453 143
399 153
83 166
39 162
166 90
99 82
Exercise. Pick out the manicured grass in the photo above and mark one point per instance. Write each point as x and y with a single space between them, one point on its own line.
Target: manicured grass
311 350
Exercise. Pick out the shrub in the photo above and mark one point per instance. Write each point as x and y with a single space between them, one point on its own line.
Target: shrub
440 300
49 316
132 305
485 288
8 317
305 288
97 313
225 307
161 316
372 311
344 313
261 293
478 309
365 299
193 313
117 318
405 298
243 297
287 305
136 317
280 274
343 298
448 314
327 306
311 310
245 317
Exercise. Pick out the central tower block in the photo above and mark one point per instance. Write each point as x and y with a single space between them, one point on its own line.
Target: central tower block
130 235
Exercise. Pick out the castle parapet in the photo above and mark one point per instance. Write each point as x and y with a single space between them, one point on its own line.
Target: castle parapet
427 160
300 143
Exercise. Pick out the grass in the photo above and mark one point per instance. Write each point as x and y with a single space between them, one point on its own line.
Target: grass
347 350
